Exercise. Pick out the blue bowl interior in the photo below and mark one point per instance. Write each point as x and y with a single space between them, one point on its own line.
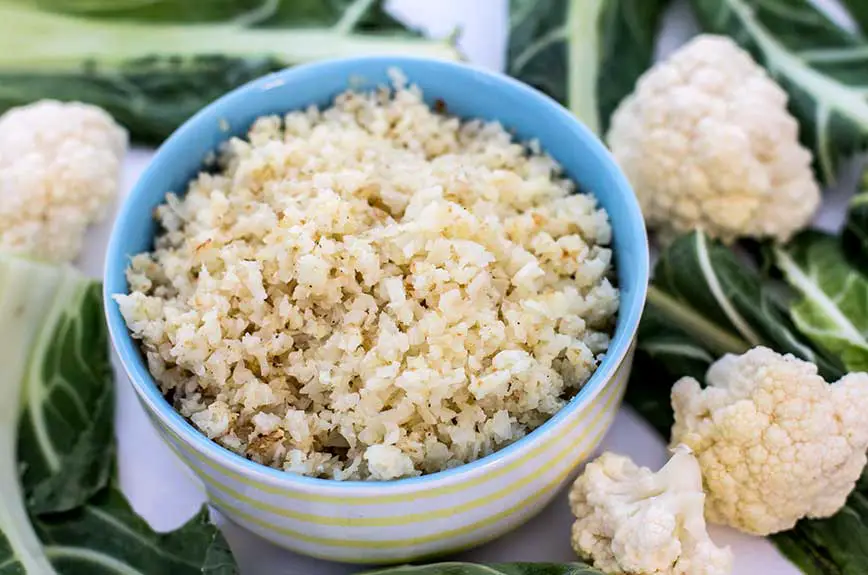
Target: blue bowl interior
467 92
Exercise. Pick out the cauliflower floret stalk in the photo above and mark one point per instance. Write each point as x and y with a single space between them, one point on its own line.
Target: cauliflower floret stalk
632 520
707 143
775 442
59 172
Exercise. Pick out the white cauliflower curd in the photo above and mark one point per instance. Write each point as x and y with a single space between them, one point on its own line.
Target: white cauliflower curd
775 442
707 142
59 172
630 520
374 290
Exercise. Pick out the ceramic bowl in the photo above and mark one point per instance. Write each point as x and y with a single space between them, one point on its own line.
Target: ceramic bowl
406 519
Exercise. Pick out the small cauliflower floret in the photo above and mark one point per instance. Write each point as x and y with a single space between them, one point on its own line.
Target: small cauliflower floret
707 142
775 442
632 520
59 172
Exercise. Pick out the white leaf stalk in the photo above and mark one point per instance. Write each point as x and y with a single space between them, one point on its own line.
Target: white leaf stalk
583 26
32 298
130 40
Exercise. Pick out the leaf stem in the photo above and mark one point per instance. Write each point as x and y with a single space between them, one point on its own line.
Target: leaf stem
66 42
92 557
583 45
694 324
24 301
809 289
720 297
352 14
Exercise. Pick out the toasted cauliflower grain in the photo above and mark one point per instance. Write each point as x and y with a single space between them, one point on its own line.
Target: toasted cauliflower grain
59 172
401 292
707 142
776 443
630 520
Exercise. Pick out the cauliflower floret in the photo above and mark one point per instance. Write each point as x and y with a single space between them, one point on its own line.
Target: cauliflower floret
59 171
707 142
632 520
775 442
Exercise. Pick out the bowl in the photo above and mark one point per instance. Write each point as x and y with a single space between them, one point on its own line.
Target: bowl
404 519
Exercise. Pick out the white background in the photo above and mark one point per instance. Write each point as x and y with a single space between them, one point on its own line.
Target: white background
161 489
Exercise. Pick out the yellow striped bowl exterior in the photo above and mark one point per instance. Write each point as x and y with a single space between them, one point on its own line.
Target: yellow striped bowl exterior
385 523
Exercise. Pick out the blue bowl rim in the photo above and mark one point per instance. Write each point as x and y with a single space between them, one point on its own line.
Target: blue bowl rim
147 390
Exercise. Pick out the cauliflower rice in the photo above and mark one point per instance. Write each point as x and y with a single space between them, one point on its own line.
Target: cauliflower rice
375 290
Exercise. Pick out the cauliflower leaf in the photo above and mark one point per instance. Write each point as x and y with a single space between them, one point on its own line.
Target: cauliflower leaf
55 347
60 511
833 546
106 534
833 309
858 9
587 55
178 56
855 233
823 67
704 302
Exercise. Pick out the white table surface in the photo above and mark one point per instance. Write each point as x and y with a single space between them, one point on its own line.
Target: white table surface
164 492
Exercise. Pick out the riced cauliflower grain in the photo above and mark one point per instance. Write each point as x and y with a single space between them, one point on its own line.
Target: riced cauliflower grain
59 172
374 290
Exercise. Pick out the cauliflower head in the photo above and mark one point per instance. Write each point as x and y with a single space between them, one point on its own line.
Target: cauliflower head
775 442
59 172
707 142
632 520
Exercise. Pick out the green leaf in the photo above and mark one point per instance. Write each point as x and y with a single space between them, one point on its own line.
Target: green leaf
10 564
665 353
33 300
855 234
723 303
834 546
490 569
833 309
368 15
57 443
587 54
859 11
107 536
823 68
704 302
65 434
154 64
